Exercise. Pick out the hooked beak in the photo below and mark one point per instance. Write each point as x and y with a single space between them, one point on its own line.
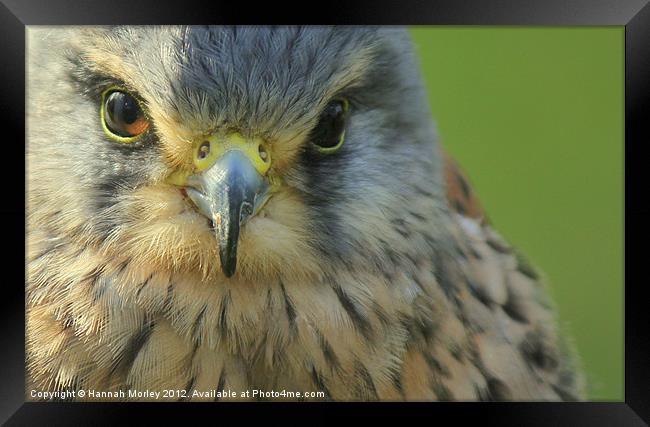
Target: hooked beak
229 192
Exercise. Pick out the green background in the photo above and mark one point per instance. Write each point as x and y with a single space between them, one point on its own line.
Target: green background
535 117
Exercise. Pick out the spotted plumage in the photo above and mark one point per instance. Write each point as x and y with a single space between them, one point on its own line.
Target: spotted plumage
370 273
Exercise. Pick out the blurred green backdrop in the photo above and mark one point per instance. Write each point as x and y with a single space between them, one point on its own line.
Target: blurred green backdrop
535 117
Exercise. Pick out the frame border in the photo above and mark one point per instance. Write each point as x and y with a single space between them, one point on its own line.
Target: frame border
633 14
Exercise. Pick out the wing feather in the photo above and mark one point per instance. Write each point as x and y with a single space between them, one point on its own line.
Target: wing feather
511 347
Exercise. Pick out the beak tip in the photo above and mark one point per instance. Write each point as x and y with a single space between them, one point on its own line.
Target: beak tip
228 264
228 271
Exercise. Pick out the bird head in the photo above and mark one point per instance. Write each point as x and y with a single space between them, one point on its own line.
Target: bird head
247 152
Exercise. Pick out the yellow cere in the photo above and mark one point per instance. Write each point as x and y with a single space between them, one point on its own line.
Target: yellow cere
217 146
253 149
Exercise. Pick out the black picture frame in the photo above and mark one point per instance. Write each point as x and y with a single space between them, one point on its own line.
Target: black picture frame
633 14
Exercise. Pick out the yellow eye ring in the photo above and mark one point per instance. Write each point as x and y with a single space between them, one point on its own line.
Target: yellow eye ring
122 115
330 150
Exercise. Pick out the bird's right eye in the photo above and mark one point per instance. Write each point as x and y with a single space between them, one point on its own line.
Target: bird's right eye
122 117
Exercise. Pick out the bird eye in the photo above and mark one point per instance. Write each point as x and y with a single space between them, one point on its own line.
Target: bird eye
329 134
122 117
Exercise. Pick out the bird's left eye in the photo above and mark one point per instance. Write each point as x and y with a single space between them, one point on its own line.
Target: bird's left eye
329 134
122 117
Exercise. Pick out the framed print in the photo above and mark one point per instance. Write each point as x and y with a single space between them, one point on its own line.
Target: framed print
391 207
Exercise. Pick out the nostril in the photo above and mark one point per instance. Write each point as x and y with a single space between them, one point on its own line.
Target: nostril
263 153
204 150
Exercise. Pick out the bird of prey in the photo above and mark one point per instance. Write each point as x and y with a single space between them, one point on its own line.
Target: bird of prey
264 208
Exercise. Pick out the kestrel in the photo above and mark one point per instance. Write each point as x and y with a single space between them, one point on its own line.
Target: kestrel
234 209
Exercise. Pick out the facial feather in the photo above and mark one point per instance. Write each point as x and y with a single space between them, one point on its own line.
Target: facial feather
195 80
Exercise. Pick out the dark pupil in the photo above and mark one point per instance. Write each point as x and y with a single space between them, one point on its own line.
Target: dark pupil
330 127
122 110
